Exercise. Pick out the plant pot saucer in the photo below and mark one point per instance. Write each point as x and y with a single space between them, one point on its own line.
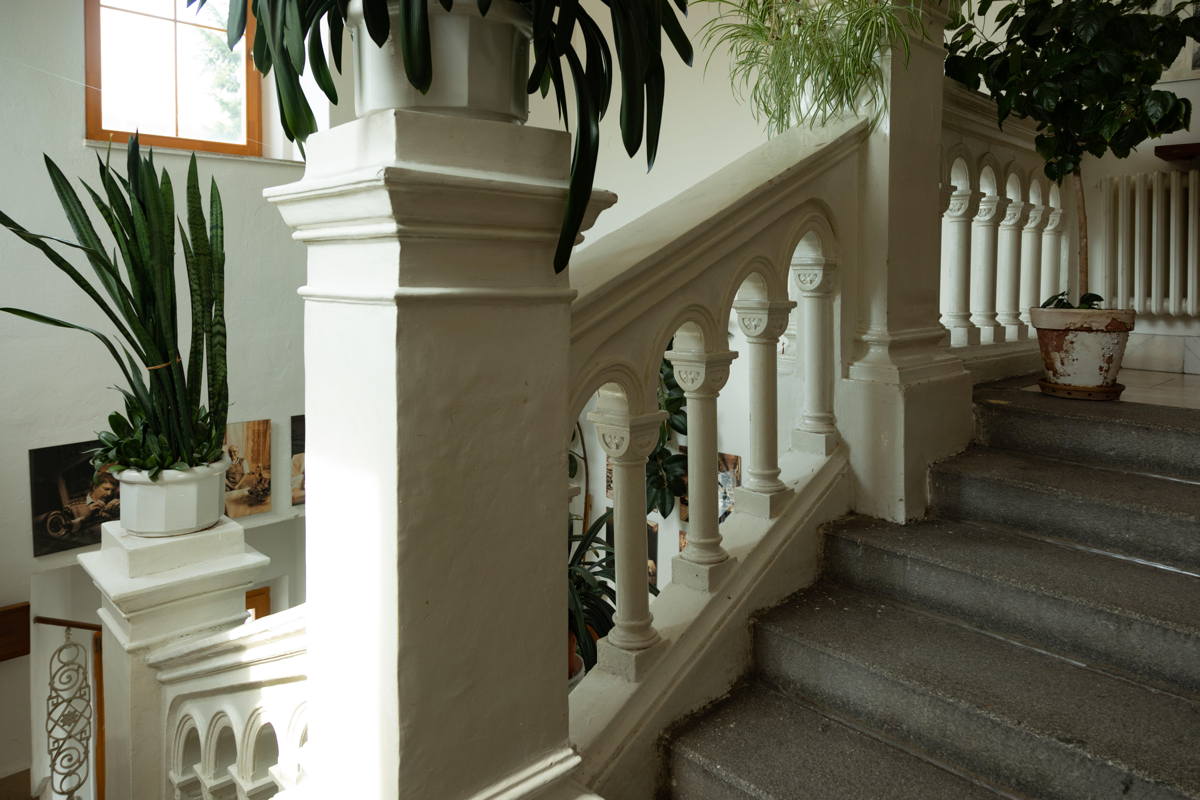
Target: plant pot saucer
1081 392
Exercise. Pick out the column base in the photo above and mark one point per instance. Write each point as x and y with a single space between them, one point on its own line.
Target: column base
991 334
764 505
629 665
964 337
701 577
1016 332
814 443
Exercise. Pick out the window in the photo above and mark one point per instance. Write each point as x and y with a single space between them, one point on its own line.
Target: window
159 68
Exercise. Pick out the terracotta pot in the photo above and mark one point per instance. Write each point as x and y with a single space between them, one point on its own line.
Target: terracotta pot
1082 350
480 63
574 660
180 501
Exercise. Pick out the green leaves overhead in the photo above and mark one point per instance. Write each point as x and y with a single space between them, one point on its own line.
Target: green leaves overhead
1084 71
805 63
283 27
165 425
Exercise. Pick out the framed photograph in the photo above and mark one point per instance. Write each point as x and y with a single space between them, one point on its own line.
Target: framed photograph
248 481
298 460
729 477
68 504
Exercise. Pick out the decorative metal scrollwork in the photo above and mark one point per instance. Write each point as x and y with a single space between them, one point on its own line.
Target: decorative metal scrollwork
69 718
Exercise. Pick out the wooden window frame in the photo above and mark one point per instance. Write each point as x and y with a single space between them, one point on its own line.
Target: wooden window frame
92 91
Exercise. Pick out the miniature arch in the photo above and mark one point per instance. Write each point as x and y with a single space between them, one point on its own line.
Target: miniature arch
694 329
220 746
989 173
1014 186
756 281
814 239
1037 195
957 171
188 751
261 747
620 381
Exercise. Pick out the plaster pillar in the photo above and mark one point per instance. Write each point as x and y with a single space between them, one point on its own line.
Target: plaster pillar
817 432
762 494
1051 278
957 224
983 268
156 592
436 355
630 646
1031 260
906 399
1008 272
703 563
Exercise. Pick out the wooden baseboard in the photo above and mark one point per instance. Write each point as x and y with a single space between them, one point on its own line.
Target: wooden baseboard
15 787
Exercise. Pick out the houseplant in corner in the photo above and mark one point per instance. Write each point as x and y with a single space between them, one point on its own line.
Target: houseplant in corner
166 448
1085 72
471 58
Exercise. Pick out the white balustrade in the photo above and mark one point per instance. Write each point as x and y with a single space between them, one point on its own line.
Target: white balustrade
1031 260
956 259
984 229
1009 271
1051 270
817 430
762 323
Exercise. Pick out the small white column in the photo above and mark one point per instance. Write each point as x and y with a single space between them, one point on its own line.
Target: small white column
817 432
1031 260
762 322
629 649
155 592
703 564
1051 280
956 260
983 268
1008 272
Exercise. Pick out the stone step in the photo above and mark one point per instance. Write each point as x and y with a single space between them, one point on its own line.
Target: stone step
1141 516
1048 727
1115 614
760 744
1159 440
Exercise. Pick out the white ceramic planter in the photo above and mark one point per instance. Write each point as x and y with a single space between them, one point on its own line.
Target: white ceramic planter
480 64
1082 350
178 502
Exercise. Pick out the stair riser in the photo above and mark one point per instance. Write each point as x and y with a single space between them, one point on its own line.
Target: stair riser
691 780
995 748
1172 540
1156 451
1083 632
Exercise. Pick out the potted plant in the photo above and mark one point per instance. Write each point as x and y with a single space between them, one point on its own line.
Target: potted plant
166 449
427 46
1085 72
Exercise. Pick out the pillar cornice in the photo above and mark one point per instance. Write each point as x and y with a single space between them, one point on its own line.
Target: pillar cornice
627 439
701 374
763 321
814 276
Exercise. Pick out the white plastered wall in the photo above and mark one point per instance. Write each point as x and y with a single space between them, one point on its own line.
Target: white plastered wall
54 385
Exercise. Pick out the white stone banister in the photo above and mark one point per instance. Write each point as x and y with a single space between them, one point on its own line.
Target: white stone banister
234 722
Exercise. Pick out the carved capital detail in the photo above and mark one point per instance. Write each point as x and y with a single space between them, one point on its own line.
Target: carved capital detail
1016 215
1054 221
763 321
702 374
991 208
1037 218
963 205
814 280
627 439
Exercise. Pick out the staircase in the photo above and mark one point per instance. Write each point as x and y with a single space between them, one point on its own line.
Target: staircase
1038 637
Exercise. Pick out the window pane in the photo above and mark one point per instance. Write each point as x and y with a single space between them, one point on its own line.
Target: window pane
212 86
215 13
134 95
161 8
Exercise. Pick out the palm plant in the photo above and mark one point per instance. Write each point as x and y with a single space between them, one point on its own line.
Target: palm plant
807 62
288 38
166 424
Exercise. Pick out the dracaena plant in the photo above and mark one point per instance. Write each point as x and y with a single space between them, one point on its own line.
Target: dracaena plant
166 424
1085 72
288 40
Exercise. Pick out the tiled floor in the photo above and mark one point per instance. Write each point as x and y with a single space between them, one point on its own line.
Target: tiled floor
1177 389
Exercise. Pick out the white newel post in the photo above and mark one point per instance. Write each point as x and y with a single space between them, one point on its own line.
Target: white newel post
629 647
956 255
156 592
1051 277
436 356
763 322
983 268
703 563
817 432
1008 272
1031 260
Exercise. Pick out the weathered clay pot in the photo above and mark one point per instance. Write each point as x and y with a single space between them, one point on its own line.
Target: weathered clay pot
1082 350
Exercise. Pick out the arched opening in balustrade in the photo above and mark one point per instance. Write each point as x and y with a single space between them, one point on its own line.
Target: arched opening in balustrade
1055 247
189 754
264 755
224 749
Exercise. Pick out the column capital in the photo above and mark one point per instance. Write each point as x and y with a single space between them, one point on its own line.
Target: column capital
701 374
814 276
1016 215
992 208
1037 217
1054 221
627 439
964 203
763 320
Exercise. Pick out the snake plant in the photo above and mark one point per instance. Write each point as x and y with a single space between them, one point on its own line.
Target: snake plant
288 39
166 424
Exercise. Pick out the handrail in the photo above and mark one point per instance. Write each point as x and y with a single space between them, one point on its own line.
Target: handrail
67 623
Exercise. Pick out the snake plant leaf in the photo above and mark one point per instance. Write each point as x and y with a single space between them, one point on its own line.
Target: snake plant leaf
316 57
484 7
568 13
675 32
656 84
293 36
378 24
33 316
583 164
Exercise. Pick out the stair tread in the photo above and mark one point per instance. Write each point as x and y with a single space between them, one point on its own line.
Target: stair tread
1156 495
1150 733
770 746
1122 587
1011 397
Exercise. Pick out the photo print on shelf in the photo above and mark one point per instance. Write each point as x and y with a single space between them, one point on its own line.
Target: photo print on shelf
298 460
68 500
248 481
